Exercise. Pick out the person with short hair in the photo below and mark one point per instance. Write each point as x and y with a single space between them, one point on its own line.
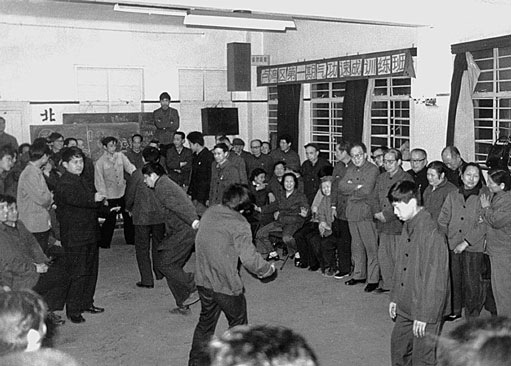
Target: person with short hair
110 182
22 327
419 169
261 345
77 206
6 164
179 161
265 148
452 159
438 189
224 238
238 146
259 160
377 157
286 153
166 121
223 174
418 297
200 180
5 138
180 220
236 160
134 153
148 220
310 169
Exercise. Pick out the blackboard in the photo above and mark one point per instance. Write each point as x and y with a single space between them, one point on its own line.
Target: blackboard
91 134
144 120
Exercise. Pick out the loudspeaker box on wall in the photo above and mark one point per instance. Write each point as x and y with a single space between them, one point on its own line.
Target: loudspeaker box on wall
238 66
220 120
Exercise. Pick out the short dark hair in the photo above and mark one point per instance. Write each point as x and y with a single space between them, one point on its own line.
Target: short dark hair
151 154
7 150
196 137
222 146
286 137
237 197
22 146
54 136
69 139
256 172
38 149
180 133
71 152
20 311
397 153
344 145
165 95
500 176
453 150
106 140
280 162
256 140
438 166
7 199
290 175
137 135
383 148
224 138
478 167
403 191
359 144
420 150
151 168
260 345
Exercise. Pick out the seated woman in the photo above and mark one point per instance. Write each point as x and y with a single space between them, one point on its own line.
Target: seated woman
290 210
438 189
259 190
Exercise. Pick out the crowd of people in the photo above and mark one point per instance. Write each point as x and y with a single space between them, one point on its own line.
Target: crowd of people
436 237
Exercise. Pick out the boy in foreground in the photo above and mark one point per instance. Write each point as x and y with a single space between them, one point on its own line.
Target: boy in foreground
421 276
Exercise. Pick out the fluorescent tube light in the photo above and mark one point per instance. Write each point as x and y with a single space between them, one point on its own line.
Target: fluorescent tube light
149 10
238 20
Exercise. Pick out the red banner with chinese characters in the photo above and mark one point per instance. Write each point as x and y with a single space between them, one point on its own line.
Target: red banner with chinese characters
371 65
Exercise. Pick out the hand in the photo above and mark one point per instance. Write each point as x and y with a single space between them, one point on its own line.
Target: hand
257 208
485 200
195 225
271 276
334 213
41 267
392 310
460 247
419 328
116 209
271 197
359 186
276 215
303 211
207 203
98 197
182 164
380 217
58 243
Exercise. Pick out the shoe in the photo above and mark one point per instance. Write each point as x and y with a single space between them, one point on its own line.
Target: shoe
55 319
192 298
329 272
371 287
338 275
273 257
181 310
77 319
313 268
298 262
94 310
380 290
353 282
452 317
140 284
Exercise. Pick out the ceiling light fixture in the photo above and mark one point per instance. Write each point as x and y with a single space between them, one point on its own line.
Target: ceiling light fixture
150 10
238 20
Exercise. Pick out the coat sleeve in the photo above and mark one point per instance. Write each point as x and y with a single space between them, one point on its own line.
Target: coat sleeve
99 179
131 191
174 199
367 184
38 193
127 165
499 217
32 244
445 215
73 197
250 258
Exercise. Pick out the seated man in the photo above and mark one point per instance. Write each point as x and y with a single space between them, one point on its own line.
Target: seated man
22 325
261 345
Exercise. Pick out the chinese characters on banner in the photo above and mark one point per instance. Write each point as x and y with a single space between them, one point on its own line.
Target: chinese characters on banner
381 64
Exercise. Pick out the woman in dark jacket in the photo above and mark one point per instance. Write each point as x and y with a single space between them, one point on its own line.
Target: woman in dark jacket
439 187
290 211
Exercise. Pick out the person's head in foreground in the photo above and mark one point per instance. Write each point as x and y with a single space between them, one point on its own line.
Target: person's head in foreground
261 345
479 342
42 357
404 197
22 326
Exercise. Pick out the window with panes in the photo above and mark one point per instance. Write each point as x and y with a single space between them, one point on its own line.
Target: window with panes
390 112
326 115
273 104
492 99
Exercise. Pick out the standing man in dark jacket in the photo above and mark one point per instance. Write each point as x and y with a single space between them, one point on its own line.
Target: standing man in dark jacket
148 220
224 238
310 169
77 208
419 171
179 161
201 171
166 121
181 221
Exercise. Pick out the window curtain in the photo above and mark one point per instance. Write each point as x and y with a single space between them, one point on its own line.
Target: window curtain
366 132
353 110
288 112
460 123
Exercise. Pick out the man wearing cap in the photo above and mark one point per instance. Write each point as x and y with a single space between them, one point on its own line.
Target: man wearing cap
310 169
259 160
166 120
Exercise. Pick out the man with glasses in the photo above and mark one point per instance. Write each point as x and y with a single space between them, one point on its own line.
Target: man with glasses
419 161
377 157
259 160
388 225
357 186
